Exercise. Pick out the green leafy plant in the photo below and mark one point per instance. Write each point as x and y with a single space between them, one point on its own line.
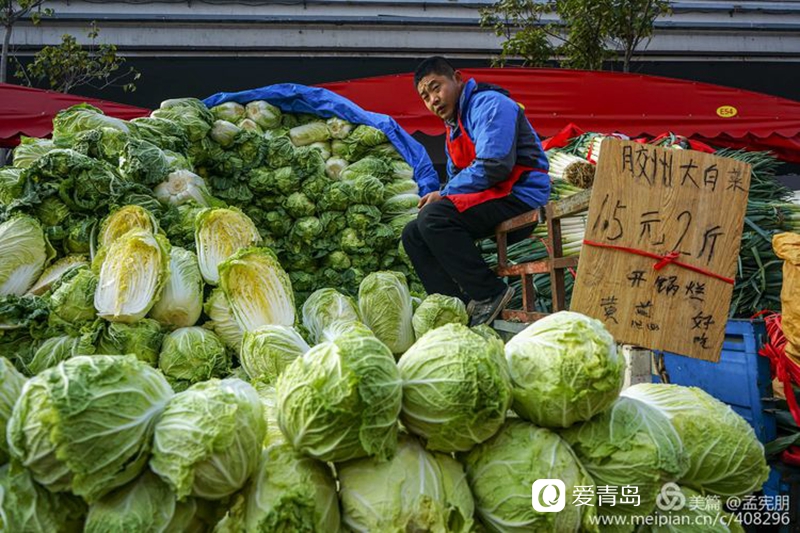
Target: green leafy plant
70 64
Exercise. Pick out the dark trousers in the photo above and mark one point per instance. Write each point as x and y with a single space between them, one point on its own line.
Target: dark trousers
441 246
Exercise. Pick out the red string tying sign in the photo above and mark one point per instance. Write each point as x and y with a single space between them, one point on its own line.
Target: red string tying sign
550 253
663 260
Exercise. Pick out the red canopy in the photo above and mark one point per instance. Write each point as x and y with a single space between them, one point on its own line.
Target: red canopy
30 112
606 102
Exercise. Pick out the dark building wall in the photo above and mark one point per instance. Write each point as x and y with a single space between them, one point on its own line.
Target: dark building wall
168 77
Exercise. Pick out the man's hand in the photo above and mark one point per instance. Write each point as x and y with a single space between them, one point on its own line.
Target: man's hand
429 199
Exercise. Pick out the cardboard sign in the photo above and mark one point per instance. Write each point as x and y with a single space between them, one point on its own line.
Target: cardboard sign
662 236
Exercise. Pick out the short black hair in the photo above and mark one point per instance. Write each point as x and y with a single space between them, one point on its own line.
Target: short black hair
433 65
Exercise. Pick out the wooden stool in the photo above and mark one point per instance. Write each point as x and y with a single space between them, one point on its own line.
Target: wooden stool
552 213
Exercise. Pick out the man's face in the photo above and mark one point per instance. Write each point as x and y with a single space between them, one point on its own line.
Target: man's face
441 93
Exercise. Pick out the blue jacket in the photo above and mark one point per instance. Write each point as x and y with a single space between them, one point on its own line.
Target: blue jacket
503 137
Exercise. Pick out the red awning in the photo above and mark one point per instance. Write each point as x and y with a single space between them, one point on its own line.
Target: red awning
606 102
30 112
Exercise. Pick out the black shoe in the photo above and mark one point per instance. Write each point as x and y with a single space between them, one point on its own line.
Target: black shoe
485 311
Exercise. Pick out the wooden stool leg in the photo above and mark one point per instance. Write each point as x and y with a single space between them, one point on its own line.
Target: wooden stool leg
556 274
528 294
502 249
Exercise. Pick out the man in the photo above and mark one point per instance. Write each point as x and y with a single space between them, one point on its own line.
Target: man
496 169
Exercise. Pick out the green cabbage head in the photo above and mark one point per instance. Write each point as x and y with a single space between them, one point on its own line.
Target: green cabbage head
456 390
123 220
370 166
190 113
264 114
309 133
564 369
269 402
249 125
73 299
385 305
224 132
164 133
56 349
181 301
341 399
298 205
131 276
360 140
415 491
323 147
143 162
142 339
56 271
15 189
402 171
334 167
400 204
81 117
367 190
339 127
102 143
292 493
337 328
220 233
183 186
25 252
400 186
501 471
222 322
30 149
258 290
145 504
324 307
268 350
230 111
725 457
11 382
631 443
27 507
207 442
193 354
435 311
86 425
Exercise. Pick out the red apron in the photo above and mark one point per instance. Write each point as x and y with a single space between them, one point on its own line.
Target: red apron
462 154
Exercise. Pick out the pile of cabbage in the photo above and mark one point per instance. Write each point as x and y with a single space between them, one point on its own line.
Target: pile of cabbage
375 413
330 198
206 324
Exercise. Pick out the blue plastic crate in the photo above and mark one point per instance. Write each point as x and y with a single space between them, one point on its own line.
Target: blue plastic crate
741 378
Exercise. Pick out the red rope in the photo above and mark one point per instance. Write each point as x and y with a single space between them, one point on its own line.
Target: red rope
663 260
783 368
589 153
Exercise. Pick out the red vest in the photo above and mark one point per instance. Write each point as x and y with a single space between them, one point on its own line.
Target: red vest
462 154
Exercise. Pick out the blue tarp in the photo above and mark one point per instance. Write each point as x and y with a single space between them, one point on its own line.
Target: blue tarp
294 98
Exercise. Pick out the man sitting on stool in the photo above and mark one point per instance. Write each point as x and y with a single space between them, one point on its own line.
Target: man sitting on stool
496 170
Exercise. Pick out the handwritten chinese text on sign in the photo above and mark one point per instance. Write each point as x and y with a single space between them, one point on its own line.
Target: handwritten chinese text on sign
679 210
